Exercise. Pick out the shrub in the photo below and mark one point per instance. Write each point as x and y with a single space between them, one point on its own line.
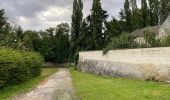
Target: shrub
18 66
150 40
166 41
125 40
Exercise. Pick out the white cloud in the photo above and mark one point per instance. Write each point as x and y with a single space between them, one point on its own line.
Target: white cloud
53 13
41 14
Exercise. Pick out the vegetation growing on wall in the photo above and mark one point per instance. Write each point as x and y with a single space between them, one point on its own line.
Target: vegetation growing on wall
121 42
128 41
166 41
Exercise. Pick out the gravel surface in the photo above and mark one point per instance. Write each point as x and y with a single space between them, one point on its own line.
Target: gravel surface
56 87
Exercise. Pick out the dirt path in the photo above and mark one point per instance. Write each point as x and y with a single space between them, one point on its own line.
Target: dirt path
56 87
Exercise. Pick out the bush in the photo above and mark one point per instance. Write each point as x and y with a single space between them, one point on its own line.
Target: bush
125 40
150 40
18 66
166 41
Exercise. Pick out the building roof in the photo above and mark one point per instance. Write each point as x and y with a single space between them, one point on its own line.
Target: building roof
140 32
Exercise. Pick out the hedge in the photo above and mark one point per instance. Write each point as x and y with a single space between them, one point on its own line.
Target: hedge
18 66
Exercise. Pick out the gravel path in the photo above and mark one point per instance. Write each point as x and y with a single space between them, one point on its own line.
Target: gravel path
56 87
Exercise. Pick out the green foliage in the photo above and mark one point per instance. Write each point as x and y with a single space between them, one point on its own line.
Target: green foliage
32 39
144 13
5 29
3 21
113 28
135 14
153 12
76 25
98 17
86 41
150 39
166 41
164 10
124 40
94 34
18 66
53 44
127 16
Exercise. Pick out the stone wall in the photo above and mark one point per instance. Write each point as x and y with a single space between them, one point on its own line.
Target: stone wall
148 63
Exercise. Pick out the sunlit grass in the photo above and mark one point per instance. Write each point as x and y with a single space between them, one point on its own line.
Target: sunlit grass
92 87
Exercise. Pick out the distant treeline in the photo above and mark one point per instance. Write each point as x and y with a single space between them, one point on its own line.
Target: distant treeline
53 43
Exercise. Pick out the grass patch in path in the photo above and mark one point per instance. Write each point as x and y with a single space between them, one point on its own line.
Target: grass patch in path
92 87
11 91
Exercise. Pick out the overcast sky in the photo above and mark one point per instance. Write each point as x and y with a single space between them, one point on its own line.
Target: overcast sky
41 14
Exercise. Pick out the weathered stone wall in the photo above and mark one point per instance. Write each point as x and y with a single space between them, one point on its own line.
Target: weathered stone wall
148 63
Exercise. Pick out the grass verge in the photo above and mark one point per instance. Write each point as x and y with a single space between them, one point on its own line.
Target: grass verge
92 87
11 91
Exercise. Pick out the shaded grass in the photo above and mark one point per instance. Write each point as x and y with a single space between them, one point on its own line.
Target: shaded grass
92 87
11 91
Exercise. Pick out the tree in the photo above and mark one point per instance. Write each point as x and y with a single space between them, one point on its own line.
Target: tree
7 36
154 12
134 15
53 44
62 42
85 38
3 22
19 34
164 10
50 31
77 17
98 19
18 38
126 16
87 35
32 39
144 14
114 27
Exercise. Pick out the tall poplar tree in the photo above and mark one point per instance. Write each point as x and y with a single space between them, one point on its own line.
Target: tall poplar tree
154 12
77 17
127 16
144 13
135 15
3 22
98 18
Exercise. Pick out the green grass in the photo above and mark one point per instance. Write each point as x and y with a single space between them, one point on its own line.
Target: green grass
92 87
11 91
